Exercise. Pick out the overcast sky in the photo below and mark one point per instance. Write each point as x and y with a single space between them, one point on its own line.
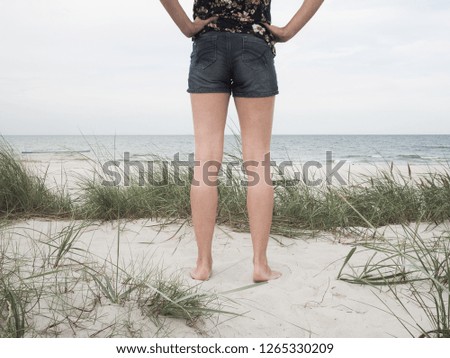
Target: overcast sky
120 67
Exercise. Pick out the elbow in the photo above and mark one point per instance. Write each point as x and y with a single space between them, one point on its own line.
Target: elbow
187 33
188 30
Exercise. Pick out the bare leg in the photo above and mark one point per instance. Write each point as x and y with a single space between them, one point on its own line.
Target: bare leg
209 112
256 118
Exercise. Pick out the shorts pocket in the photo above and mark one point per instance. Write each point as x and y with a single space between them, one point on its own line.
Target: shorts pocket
254 53
204 51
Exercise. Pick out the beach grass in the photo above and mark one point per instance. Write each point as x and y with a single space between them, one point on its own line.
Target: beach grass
23 194
411 268
435 190
50 291
384 198
12 311
169 297
134 201
15 295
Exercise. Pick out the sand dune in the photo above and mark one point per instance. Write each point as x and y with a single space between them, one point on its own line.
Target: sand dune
307 301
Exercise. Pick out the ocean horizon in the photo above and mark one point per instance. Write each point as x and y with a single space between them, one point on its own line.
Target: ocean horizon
355 148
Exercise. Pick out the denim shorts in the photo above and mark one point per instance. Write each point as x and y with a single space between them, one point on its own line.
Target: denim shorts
237 63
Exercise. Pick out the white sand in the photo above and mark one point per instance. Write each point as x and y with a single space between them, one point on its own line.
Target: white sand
307 301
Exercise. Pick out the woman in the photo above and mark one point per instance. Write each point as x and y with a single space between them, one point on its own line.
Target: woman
233 53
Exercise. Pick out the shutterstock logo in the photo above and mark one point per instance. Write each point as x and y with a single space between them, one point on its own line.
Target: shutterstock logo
164 172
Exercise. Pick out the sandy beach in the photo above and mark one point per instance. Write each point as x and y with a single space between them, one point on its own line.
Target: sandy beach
307 301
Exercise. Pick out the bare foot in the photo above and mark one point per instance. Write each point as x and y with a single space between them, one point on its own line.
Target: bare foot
202 272
264 273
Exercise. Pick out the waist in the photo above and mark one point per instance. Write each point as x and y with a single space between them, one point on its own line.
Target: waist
265 37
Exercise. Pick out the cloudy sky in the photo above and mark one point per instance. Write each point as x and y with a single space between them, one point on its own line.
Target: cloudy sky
120 67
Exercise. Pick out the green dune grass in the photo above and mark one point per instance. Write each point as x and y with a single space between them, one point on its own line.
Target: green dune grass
382 199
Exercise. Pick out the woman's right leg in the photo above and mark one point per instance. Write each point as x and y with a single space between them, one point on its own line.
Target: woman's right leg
256 118
209 111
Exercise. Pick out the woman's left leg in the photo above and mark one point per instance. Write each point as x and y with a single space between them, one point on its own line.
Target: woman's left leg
209 112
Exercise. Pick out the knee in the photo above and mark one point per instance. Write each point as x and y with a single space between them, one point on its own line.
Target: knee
206 172
258 174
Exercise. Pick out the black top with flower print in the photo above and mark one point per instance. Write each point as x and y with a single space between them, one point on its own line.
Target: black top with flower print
244 16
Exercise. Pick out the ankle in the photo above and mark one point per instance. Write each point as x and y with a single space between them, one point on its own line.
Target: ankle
260 261
204 261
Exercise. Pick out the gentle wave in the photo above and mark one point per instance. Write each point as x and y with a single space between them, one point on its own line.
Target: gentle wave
364 156
56 152
437 146
411 156
356 156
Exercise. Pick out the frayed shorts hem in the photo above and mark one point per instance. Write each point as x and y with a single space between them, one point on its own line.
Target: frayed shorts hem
209 90
235 94
255 95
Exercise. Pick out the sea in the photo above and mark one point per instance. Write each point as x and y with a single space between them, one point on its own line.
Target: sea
400 149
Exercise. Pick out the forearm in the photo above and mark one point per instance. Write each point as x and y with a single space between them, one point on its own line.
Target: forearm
302 16
179 16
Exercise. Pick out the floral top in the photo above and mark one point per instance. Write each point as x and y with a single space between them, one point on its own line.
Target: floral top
244 16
